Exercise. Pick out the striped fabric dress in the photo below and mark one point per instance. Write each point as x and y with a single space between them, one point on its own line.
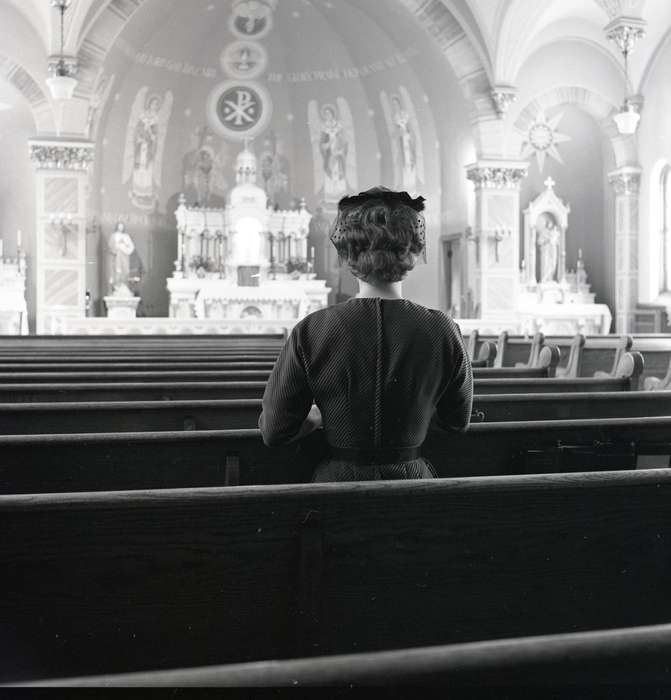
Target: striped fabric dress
380 371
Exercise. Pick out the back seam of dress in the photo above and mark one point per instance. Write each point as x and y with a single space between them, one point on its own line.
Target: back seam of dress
378 376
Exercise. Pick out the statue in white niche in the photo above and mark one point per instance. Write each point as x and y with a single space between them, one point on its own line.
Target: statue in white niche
549 241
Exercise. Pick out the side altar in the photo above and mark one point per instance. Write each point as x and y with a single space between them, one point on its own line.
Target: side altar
247 261
13 307
547 296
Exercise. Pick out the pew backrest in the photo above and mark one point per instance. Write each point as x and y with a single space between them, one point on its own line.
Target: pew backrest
228 576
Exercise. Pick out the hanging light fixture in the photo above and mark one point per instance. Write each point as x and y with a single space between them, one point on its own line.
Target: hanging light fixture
62 84
628 118
625 33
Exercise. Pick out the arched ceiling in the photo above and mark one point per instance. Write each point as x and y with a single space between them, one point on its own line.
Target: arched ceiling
499 35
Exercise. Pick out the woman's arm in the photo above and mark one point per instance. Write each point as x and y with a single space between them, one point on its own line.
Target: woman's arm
288 413
455 406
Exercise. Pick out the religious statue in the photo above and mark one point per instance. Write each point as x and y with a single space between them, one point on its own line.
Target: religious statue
405 136
548 237
121 248
334 149
274 170
145 141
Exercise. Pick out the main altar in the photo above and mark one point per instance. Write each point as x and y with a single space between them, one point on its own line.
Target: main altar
247 261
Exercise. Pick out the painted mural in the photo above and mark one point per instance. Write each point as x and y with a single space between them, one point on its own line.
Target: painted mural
406 140
206 168
145 143
334 149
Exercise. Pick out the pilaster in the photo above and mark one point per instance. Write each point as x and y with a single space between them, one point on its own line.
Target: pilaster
496 235
626 182
61 180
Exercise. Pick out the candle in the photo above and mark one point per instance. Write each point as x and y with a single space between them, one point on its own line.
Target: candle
312 253
18 238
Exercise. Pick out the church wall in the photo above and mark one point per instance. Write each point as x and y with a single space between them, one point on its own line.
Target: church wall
399 55
580 183
17 191
654 138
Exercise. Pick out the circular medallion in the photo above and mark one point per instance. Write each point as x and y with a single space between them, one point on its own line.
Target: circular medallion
541 136
251 27
239 110
244 60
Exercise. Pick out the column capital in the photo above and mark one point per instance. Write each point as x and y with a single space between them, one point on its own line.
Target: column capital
626 32
59 154
497 174
626 181
503 97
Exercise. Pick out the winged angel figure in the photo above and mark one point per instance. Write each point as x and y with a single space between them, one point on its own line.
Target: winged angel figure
406 140
333 149
145 142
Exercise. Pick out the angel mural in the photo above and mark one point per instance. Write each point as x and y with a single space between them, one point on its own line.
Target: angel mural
406 140
145 142
334 149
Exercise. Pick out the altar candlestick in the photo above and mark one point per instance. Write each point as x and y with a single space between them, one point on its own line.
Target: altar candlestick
18 239
312 254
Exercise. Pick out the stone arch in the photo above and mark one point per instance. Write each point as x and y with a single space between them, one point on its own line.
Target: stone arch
40 106
464 59
99 39
597 106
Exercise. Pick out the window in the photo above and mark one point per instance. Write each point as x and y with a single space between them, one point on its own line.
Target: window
665 227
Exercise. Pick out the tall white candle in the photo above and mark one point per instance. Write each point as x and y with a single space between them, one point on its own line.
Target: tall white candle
18 238
2 246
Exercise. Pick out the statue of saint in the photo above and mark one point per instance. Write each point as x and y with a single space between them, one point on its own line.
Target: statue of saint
548 238
121 248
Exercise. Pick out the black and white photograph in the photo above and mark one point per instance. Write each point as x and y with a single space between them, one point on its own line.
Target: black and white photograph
335 347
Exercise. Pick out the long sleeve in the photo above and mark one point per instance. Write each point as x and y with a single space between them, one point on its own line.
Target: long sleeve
454 409
288 398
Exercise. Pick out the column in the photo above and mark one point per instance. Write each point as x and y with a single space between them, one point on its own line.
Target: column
626 182
496 234
61 182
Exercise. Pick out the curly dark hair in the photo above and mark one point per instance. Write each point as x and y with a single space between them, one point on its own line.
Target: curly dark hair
379 234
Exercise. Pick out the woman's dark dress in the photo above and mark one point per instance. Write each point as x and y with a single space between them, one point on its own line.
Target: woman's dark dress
379 371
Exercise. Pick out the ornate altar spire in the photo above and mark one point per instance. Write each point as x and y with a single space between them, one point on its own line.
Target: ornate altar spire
246 166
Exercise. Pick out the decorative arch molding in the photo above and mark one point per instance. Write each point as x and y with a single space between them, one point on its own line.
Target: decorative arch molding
99 40
40 106
597 106
467 64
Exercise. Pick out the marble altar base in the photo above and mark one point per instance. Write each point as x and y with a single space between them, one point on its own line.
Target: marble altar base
550 319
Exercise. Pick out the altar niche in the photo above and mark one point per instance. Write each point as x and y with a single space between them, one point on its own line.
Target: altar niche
247 260
545 278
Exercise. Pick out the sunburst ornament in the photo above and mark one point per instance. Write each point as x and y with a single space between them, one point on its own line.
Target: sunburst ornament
542 139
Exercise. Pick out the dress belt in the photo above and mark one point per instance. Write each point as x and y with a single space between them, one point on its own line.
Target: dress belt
363 456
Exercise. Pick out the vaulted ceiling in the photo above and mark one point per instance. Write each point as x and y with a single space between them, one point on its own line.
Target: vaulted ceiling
499 36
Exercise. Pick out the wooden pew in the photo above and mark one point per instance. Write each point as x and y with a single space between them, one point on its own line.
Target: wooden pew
545 368
140 460
630 658
39 392
525 407
127 582
156 416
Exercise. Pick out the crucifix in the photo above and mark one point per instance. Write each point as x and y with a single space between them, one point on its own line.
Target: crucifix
499 237
550 183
